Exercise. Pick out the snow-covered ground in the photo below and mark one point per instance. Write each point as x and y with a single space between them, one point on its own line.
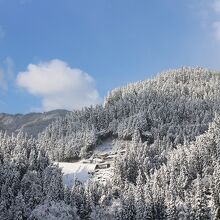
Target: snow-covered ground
105 154
77 170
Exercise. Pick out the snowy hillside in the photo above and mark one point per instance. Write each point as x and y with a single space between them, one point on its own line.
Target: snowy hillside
155 145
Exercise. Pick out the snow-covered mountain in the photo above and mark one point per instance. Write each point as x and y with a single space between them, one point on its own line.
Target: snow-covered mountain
150 152
31 123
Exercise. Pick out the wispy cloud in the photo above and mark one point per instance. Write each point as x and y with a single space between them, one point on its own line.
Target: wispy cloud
209 14
59 85
215 5
215 17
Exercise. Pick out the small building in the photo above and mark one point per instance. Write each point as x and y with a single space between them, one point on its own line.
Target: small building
122 152
98 160
102 166
111 157
86 161
103 155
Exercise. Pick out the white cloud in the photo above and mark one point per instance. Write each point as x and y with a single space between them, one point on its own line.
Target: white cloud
59 85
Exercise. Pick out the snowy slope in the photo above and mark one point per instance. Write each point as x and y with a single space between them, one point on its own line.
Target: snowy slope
77 170
85 170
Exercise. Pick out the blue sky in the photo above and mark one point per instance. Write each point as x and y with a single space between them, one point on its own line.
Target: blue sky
92 46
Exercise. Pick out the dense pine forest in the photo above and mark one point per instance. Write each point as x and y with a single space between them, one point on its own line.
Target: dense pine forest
170 128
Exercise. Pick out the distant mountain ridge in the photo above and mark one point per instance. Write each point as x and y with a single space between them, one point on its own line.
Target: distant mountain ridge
31 123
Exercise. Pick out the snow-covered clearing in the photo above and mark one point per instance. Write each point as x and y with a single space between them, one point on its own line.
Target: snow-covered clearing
78 170
83 170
